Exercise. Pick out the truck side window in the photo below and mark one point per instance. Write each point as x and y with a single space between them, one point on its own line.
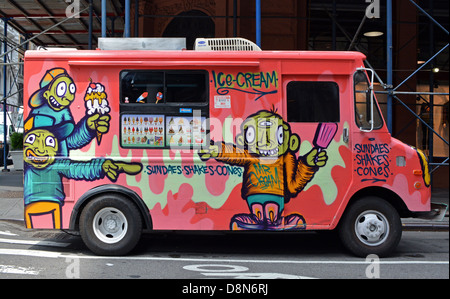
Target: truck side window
185 87
141 86
164 87
312 101
163 109
362 104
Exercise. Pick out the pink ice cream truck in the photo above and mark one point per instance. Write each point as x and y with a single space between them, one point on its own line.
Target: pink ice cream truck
121 141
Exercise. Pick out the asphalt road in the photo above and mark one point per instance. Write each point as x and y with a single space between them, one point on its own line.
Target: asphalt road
53 255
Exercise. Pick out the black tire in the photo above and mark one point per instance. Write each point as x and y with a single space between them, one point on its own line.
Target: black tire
370 225
110 224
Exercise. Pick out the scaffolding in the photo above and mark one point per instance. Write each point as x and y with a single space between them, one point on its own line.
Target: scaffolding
392 92
13 70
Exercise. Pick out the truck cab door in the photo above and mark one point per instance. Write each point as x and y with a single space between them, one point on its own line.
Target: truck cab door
317 111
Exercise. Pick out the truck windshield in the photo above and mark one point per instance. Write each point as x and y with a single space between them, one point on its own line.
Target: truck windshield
362 104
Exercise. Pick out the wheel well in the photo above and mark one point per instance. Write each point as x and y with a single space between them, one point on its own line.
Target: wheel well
105 189
385 194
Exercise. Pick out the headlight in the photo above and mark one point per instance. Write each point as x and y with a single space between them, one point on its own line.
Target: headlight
425 167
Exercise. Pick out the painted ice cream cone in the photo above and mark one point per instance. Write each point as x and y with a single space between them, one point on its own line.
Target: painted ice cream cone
96 102
324 135
99 135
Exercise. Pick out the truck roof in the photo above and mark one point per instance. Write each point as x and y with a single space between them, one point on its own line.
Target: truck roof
294 62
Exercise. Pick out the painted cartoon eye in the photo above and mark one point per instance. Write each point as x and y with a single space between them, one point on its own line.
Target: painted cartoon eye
50 141
30 139
72 88
250 134
61 89
280 135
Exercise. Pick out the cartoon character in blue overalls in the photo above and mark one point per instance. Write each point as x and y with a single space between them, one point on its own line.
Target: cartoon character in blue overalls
50 108
50 132
45 170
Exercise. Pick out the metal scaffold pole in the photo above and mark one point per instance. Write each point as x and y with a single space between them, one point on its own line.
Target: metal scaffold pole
127 18
258 23
103 18
389 83
5 127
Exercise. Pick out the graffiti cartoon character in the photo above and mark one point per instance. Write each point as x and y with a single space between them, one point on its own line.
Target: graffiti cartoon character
272 174
45 195
50 107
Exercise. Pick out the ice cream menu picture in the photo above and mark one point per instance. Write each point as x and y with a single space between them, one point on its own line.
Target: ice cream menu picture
185 131
162 131
143 130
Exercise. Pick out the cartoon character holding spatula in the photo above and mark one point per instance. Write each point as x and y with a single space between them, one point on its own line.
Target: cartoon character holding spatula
266 148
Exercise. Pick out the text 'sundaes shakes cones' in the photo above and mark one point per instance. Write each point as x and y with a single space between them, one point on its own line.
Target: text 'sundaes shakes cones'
96 102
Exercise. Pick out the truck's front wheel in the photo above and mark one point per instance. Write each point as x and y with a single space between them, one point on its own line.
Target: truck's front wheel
110 225
371 225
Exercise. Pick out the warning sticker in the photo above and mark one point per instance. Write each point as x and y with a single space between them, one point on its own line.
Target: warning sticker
222 102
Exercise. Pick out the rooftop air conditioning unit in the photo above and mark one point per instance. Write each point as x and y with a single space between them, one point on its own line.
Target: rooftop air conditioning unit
225 44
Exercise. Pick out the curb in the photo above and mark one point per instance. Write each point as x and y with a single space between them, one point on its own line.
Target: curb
438 227
12 188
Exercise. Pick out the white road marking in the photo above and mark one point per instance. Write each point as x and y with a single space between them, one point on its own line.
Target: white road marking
34 253
227 271
357 262
53 254
7 233
9 269
31 242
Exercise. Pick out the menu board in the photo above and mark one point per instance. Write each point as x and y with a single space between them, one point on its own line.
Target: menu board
185 131
143 130
161 131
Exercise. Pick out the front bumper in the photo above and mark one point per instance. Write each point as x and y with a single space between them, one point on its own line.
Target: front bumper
437 212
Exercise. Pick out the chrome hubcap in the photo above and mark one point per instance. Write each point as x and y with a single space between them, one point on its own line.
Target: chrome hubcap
372 228
110 225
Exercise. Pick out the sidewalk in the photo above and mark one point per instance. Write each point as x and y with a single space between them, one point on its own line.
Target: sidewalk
11 194
11 202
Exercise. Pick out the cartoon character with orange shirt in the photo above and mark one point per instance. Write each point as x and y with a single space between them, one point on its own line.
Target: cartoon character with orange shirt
272 175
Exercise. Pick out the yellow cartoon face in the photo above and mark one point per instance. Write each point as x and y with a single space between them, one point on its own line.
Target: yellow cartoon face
266 134
40 148
60 93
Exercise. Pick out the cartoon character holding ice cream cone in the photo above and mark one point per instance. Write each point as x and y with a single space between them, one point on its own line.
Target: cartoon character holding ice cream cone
51 132
50 107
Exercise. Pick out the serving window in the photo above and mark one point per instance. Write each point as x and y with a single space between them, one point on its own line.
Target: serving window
163 87
164 108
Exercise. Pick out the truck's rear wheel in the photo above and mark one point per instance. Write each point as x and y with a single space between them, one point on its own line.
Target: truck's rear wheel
110 225
370 226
